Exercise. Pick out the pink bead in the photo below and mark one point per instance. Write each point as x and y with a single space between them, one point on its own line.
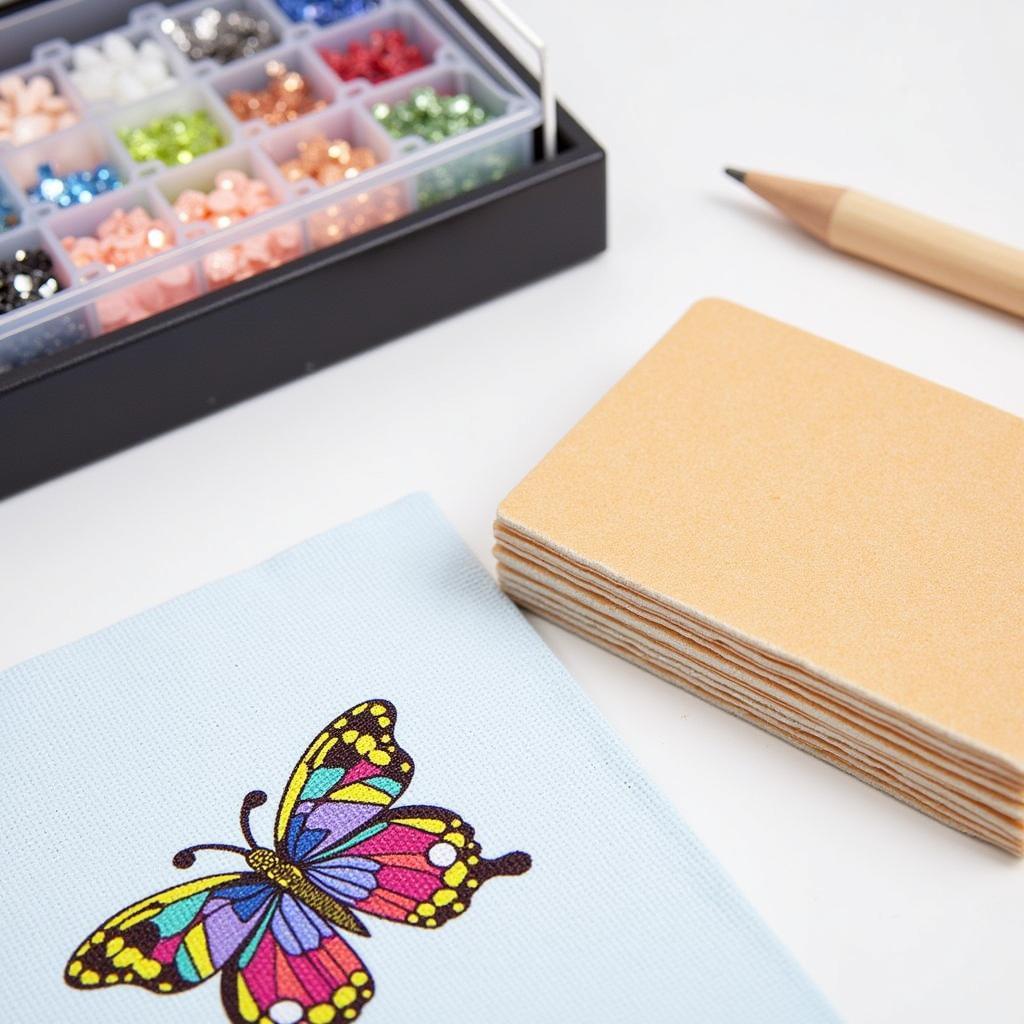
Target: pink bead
83 250
139 219
114 311
222 201
128 242
177 285
110 225
231 179
221 267
286 241
37 92
148 295
29 128
256 251
24 101
253 203
190 206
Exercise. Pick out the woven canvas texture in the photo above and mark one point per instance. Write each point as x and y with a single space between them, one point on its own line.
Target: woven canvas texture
125 747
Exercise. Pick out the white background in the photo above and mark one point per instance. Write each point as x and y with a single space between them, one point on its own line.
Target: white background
897 917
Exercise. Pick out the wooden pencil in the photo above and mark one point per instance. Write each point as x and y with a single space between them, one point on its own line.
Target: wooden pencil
908 242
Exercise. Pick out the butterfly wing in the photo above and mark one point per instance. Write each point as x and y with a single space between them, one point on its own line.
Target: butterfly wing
417 865
352 771
174 939
295 968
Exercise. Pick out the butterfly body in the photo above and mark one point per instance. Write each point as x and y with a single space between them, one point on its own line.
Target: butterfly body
277 934
291 878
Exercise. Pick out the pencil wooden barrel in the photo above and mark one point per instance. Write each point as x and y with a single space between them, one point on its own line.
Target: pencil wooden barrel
929 250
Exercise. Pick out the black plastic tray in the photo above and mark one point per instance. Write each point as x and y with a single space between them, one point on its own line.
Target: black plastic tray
103 395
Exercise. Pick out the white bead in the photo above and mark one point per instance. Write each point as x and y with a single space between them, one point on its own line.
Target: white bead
152 73
94 83
128 87
118 49
149 50
86 57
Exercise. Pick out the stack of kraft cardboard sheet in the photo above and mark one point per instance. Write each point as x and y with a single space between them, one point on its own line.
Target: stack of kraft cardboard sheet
826 546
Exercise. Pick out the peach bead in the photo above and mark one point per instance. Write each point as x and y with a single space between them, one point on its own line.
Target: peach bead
30 110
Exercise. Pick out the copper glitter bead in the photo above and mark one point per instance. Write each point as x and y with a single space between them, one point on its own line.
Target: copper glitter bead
286 96
352 216
328 161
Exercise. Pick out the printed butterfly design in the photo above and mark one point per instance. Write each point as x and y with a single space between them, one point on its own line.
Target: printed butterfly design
277 932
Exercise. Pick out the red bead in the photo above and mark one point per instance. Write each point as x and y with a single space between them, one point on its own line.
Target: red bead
386 54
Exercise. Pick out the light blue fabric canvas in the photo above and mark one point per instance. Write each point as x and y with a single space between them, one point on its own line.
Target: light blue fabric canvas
123 748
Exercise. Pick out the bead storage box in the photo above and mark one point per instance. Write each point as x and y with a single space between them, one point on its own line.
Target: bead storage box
194 185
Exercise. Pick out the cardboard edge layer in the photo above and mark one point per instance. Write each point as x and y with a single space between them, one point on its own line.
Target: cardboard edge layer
804 742
765 692
977 818
984 757
888 730
987 809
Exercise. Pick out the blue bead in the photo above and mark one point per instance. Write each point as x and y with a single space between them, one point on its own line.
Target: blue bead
325 12
78 187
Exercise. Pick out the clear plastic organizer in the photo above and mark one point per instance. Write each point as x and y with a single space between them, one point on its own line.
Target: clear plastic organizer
410 174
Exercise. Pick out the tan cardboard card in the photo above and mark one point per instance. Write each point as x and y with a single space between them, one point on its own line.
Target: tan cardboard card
852 519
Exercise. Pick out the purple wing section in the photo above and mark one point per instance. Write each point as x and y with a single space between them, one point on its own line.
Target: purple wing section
348 879
297 928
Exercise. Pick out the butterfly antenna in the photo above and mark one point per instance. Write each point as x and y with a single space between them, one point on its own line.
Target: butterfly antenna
187 857
255 798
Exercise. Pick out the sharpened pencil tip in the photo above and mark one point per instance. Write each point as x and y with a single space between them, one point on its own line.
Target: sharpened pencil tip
740 176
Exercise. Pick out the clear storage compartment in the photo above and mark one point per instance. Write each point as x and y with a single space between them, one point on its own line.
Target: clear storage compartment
295 211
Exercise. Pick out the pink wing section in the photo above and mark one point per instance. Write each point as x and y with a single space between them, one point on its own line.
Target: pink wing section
297 968
418 865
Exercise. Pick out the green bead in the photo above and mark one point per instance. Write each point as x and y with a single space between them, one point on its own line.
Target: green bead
430 116
463 175
175 139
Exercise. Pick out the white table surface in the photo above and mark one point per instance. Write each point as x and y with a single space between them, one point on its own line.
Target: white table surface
898 918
